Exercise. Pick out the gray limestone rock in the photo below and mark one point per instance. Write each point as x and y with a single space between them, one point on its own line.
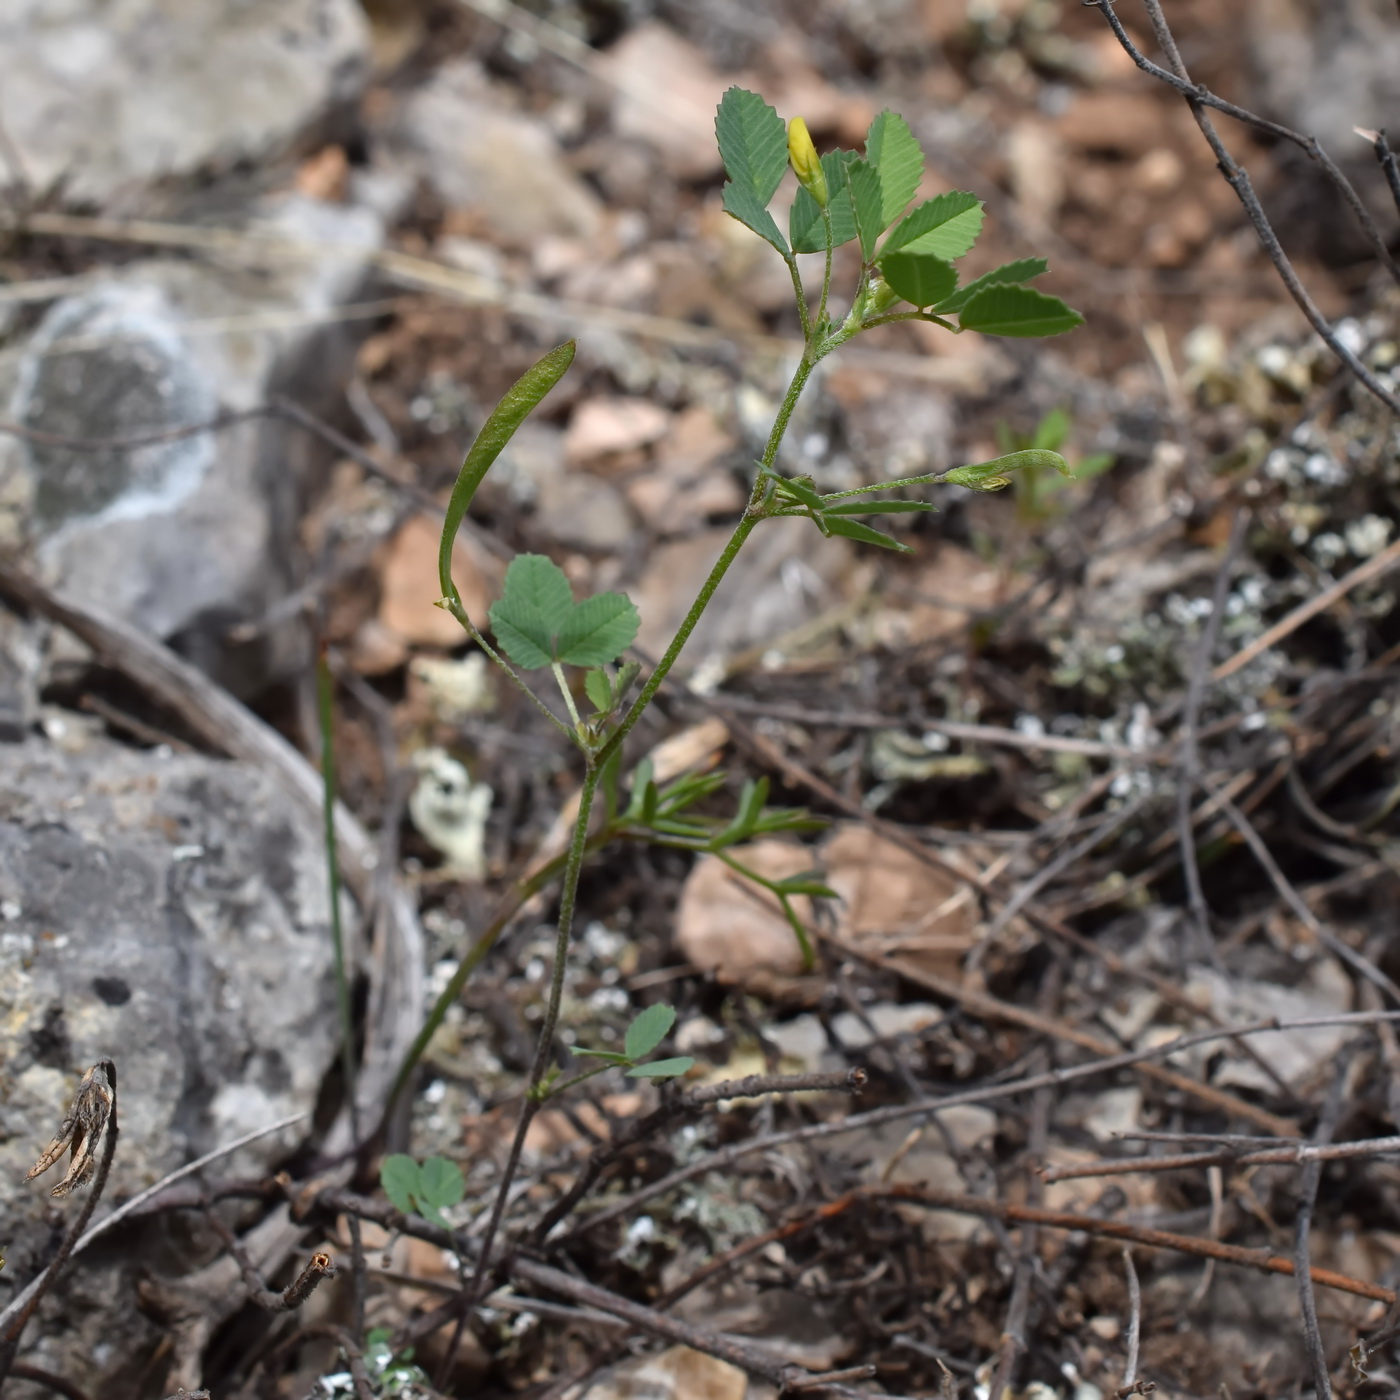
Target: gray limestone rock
169 912
106 96
460 133
189 536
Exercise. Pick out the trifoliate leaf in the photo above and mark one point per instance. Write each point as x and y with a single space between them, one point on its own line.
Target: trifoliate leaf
920 278
894 152
534 606
1022 270
1017 311
648 1029
854 530
946 226
805 219
663 1069
538 623
868 199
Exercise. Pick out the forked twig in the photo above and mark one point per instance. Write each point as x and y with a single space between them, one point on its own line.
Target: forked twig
1200 99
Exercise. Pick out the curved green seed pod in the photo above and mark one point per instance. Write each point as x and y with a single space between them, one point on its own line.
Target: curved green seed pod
520 399
992 476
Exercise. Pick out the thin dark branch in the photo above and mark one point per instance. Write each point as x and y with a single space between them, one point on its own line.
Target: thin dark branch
1307 1199
37 1374
1198 99
1389 165
1189 758
290 1298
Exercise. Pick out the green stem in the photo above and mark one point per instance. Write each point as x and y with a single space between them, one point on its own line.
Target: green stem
801 293
894 316
930 478
826 275
544 1049
576 1080
325 706
742 531
568 695
454 606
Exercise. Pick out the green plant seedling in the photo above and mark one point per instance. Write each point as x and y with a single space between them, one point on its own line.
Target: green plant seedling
648 1029
1039 492
422 1188
907 272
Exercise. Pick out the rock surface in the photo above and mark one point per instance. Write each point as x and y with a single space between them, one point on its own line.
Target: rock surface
190 536
168 911
101 96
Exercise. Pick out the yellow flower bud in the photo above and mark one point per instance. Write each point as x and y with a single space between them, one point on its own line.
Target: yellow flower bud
805 161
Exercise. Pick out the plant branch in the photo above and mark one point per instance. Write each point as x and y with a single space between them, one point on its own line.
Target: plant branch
1198 99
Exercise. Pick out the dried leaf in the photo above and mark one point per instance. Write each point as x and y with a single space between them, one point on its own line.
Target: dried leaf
81 1130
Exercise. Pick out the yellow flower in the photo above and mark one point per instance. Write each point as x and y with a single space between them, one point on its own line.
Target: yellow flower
805 161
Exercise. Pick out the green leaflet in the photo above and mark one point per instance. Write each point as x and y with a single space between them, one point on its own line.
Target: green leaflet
892 149
920 278
506 417
1022 270
946 226
753 146
867 195
1017 311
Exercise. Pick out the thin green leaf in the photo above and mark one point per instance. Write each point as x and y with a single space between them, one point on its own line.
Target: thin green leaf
1017 311
893 150
598 688
598 630
920 278
805 224
743 205
854 530
752 143
663 1069
878 507
946 226
746 816
534 605
1052 430
506 417
867 196
398 1175
641 781
610 1055
799 490
803 884
1022 270
442 1182
648 1029
803 942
